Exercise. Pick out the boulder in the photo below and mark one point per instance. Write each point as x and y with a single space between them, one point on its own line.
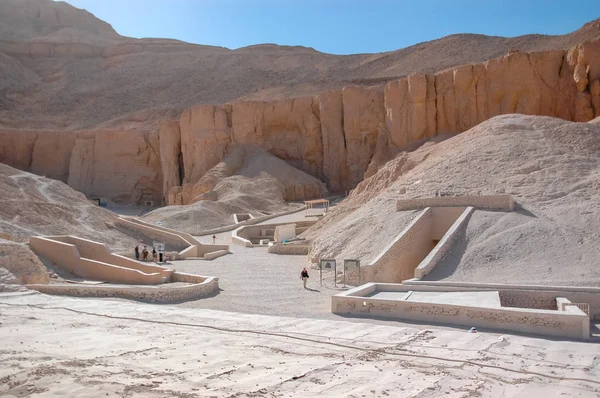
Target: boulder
21 263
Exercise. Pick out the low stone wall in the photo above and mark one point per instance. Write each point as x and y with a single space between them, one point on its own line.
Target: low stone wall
240 240
528 299
215 254
572 324
100 252
239 218
398 260
525 296
193 248
439 251
290 250
5 236
252 221
201 287
67 256
491 202
154 233
244 234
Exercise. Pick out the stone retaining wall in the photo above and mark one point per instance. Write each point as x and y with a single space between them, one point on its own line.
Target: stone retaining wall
67 256
193 248
252 221
201 287
290 250
491 202
572 324
449 237
525 296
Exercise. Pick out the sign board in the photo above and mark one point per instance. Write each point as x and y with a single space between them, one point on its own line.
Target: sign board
328 263
159 246
352 272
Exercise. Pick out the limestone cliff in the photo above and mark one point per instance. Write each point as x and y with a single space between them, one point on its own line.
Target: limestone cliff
341 135
124 166
338 136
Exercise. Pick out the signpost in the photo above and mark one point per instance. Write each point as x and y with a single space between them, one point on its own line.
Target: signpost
327 263
352 269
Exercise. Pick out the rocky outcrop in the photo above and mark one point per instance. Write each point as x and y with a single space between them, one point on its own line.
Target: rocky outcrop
339 136
22 264
255 165
170 156
124 166
344 136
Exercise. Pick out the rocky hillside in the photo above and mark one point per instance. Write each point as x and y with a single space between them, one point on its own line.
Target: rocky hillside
31 205
339 136
549 166
63 69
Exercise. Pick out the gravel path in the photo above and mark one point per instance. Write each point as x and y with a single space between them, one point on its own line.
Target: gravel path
256 282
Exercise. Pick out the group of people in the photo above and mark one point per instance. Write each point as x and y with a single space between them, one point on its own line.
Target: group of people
144 254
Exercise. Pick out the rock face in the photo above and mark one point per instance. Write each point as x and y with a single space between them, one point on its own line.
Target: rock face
253 164
124 166
343 136
339 136
22 264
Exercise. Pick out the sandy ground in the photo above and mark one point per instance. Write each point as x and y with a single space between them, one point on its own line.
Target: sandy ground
57 346
245 275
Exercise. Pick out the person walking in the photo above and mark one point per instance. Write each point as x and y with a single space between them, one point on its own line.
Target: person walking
137 252
154 255
145 254
214 239
304 276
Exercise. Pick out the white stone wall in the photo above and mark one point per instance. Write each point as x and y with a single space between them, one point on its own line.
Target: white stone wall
399 259
541 322
492 202
524 296
201 287
293 250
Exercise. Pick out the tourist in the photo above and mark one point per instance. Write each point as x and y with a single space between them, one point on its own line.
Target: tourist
154 255
214 239
137 252
145 254
304 276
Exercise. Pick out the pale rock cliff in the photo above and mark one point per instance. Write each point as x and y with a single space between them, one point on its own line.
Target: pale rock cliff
170 156
339 136
252 163
344 136
124 166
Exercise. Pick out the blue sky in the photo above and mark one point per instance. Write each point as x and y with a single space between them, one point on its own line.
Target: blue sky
337 26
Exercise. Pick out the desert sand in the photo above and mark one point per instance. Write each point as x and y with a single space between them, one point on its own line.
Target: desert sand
65 346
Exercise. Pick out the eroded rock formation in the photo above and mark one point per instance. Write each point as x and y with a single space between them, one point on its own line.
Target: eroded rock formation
19 265
344 135
124 166
338 136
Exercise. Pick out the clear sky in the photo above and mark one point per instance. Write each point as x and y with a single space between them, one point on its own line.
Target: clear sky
337 26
